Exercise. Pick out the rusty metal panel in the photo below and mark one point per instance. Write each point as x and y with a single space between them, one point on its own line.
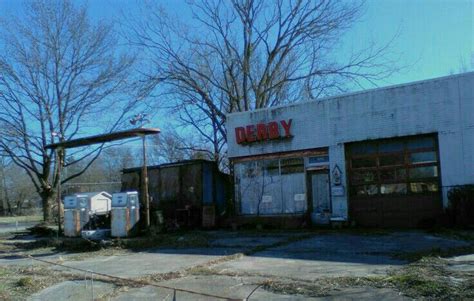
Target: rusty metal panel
169 184
208 216
154 186
181 189
74 222
209 184
125 214
191 185
70 223
131 181
119 222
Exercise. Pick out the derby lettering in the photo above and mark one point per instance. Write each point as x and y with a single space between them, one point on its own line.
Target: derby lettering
286 127
240 135
263 131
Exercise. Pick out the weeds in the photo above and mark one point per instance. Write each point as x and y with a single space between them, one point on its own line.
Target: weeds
434 252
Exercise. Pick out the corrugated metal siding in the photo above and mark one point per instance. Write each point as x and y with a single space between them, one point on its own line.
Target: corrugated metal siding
208 184
175 186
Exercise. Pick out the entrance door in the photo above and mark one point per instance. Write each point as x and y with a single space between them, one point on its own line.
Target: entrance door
318 186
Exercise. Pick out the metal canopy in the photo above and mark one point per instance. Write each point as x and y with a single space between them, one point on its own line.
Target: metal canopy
139 132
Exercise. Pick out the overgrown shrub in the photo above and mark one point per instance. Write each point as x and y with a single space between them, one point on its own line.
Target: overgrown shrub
461 205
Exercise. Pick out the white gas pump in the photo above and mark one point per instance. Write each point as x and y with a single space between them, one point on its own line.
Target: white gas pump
125 213
79 208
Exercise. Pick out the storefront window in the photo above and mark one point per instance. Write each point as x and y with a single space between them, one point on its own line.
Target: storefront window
269 187
292 165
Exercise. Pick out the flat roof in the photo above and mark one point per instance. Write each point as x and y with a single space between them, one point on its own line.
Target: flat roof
172 164
353 93
102 138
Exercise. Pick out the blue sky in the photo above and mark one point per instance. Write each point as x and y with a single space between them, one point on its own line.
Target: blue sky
435 37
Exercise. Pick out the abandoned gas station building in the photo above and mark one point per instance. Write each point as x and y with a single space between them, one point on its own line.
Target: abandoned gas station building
381 157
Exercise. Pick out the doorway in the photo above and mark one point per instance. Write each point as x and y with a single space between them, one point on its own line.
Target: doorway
318 196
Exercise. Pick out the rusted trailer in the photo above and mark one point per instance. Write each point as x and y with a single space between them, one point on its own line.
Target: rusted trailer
191 193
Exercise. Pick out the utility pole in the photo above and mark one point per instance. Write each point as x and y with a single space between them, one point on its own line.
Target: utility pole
59 158
144 185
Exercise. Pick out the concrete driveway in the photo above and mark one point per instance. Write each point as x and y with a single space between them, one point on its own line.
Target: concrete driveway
279 257
338 255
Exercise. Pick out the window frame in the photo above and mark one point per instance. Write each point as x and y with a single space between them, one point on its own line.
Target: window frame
407 165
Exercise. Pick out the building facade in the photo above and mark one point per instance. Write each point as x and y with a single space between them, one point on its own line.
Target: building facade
382 157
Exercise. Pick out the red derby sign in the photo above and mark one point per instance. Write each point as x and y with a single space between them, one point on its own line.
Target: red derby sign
263 131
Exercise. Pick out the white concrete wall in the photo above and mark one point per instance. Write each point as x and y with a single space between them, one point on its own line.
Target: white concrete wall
444 106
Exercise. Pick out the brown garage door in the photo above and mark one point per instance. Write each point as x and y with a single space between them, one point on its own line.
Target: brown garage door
394 182
408 211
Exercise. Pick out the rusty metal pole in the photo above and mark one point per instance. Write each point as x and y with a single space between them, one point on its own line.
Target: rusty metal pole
144 185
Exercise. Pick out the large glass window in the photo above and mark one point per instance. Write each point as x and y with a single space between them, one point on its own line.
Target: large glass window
269 187
393 166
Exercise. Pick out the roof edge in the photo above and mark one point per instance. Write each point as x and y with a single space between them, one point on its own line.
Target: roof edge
357 93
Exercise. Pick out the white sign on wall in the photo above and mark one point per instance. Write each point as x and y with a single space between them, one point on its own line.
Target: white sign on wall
337 191
300 197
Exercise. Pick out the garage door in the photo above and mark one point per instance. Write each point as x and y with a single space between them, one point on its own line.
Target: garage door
394 182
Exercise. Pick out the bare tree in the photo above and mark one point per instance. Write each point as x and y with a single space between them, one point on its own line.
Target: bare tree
16 189
242 55
4 192
60 76
104 173
171 146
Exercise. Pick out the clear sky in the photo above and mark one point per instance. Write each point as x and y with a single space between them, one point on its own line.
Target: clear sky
435 37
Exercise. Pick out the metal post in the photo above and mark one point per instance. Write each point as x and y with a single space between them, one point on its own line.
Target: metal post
144 185
92 285
60 165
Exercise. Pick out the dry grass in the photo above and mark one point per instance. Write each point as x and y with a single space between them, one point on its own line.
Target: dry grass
20 219
17 283
427 278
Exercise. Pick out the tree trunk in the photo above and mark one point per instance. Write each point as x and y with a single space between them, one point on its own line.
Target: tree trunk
47 200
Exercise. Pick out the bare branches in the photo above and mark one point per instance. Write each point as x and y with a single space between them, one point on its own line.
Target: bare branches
244 55
59 76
